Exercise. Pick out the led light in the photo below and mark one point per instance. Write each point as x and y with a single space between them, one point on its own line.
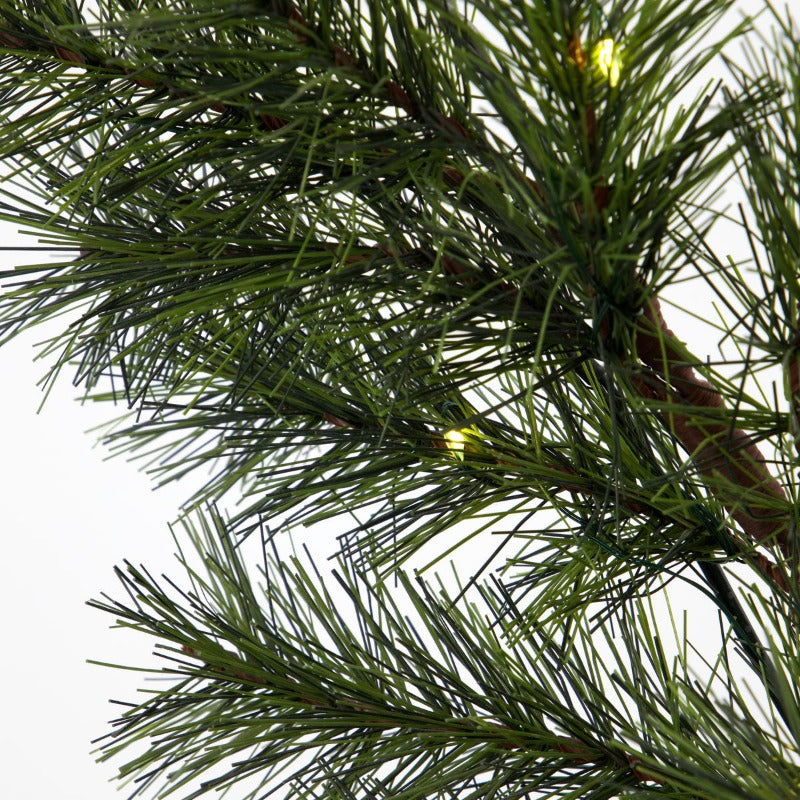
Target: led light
607 58
463 443
455 441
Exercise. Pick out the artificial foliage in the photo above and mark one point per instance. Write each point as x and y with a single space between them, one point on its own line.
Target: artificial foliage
398 280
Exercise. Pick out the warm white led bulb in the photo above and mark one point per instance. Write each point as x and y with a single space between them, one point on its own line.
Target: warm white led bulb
455 441
607 58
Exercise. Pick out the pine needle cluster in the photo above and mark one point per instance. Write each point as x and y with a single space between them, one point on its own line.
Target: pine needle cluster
398 273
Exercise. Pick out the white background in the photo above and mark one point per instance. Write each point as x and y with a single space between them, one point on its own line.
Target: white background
68 517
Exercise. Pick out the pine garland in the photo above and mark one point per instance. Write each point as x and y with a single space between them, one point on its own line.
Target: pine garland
400 268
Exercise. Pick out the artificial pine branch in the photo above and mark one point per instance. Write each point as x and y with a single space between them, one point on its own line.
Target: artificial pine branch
368 259
365 677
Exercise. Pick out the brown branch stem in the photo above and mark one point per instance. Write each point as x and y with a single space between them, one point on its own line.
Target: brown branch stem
738 472
573 749
396 94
